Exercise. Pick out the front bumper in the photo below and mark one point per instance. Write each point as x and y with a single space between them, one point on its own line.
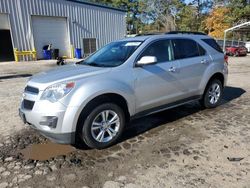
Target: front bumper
64 130
55 136
64 138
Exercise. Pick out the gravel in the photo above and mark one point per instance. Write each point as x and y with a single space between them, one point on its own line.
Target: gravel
8 159
131 185
122 179
4 184
2 169
69 177
5 173
51 178
111 184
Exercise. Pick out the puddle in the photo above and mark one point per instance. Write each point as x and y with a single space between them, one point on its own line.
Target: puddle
46 151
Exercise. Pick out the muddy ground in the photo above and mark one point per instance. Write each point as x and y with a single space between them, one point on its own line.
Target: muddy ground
182 147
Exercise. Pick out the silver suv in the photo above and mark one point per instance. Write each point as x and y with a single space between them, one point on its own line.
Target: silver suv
91 101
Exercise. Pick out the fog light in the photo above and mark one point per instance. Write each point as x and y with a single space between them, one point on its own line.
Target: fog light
50 121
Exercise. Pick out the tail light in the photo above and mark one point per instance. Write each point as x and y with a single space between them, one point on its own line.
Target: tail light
226 59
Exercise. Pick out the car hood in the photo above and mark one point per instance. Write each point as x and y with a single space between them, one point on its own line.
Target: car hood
65 73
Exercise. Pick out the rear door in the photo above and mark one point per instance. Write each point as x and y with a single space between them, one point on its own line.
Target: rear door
193 61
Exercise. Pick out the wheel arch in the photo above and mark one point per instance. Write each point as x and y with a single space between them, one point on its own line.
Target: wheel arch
100 99
218 76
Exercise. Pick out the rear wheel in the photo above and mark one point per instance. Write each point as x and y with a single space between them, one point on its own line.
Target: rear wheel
213 94
103 126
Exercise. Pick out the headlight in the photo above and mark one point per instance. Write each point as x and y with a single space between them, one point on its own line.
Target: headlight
57 91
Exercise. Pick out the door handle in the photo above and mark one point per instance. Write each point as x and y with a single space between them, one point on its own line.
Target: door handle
204 61
172 69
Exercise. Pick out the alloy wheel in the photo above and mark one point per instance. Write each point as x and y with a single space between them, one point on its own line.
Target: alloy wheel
105 126
214 93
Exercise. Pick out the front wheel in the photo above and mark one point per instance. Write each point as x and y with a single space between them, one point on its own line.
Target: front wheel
213 94
103 126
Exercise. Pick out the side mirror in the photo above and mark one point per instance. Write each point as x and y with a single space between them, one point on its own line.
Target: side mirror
147 60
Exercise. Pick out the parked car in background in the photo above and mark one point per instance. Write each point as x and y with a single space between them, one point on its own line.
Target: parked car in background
236 51
247 45
92 101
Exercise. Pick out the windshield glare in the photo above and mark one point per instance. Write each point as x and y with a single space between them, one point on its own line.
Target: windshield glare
113 54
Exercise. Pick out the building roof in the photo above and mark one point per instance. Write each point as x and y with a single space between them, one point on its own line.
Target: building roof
97 5
242 28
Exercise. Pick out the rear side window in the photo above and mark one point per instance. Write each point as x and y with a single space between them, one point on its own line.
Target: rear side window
187 48
201 50
161 49
213 44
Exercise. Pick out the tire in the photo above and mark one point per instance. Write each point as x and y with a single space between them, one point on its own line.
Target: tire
98 121
213 94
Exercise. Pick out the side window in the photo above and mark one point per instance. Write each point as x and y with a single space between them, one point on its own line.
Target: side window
201 50
213 44
162 50
187 48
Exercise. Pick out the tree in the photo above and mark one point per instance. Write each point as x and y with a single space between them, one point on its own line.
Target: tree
240 10
218 21
186 19
133 8
163 11
210 16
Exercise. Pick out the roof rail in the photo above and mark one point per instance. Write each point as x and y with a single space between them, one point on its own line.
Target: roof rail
186 32
146 34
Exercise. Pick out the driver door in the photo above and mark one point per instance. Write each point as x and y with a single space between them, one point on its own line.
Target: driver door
155 84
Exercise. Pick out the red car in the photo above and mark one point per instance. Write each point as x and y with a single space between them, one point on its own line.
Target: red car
236 51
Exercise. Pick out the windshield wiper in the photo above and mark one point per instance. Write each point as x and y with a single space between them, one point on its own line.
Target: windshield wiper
85 63
80 62
93 64
96 64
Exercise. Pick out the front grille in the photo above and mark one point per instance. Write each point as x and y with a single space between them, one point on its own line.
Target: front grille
31 90
28 105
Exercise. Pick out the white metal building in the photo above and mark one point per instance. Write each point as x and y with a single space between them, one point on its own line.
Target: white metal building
32 24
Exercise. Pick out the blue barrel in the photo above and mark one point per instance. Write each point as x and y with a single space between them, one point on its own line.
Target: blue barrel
47 54
78 53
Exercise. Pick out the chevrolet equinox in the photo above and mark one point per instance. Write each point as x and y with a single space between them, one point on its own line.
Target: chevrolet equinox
92 100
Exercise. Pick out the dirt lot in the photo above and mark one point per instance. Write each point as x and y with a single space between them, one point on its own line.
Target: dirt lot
183 147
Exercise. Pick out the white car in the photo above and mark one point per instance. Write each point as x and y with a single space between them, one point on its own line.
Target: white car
247 45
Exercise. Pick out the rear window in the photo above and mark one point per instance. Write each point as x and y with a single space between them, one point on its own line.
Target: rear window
213 44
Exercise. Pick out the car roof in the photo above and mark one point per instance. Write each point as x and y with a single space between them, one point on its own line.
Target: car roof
156 36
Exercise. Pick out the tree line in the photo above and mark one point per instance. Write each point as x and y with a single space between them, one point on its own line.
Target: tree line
208 16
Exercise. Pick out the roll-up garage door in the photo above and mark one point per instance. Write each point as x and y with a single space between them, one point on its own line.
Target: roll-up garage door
6 47
51 30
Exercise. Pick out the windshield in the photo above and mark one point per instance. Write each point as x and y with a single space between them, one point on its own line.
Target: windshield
113 54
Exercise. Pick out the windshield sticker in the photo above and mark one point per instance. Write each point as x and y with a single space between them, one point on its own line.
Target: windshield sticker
133 44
